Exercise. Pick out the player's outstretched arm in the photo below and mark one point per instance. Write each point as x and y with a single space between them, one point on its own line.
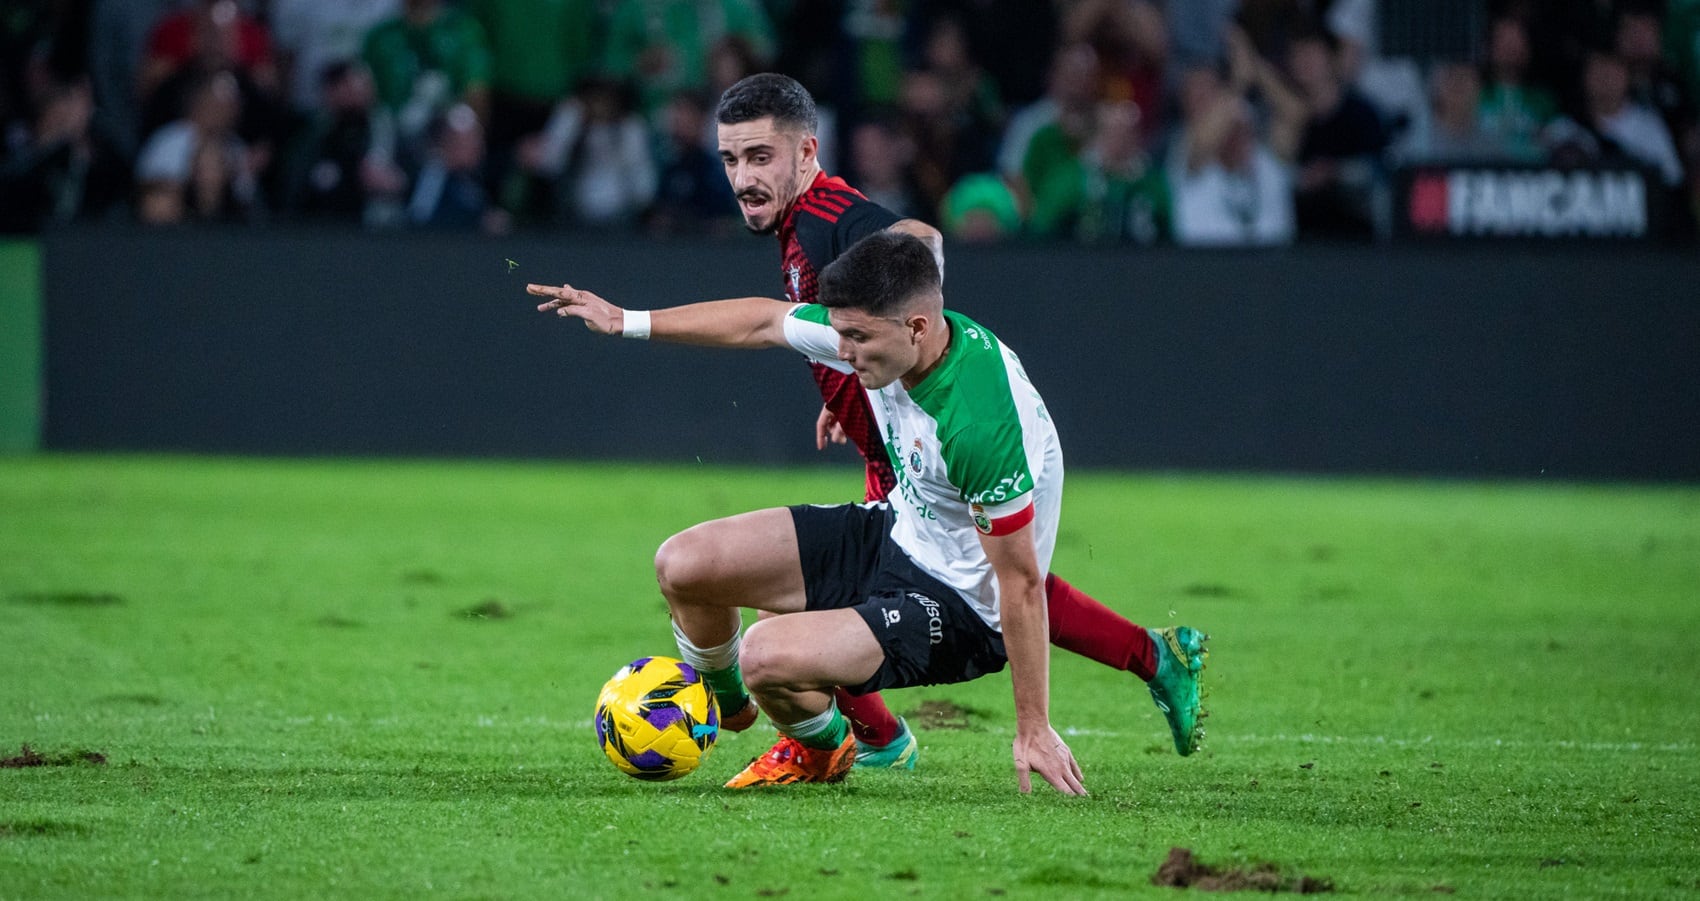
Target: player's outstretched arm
1021 586
746 322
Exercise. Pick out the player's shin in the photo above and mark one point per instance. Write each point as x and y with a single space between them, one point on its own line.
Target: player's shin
719 668
823 730
873 723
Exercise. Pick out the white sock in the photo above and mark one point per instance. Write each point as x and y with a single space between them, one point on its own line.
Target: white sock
708 660
818 731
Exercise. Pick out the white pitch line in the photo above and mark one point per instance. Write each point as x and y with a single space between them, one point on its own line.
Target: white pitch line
1427 741
1217 739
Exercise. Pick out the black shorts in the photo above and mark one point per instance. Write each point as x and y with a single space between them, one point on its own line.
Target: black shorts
930 634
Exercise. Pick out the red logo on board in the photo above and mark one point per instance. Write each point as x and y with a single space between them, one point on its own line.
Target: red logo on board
1429 202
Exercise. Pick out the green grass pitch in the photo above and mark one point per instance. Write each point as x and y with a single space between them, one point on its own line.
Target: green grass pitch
373 679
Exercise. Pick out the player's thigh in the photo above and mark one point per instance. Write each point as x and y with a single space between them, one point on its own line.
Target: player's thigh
747 560
818 649
840 547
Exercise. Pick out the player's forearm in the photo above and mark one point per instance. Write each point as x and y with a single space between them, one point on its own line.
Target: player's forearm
929 236
744 322
1028 645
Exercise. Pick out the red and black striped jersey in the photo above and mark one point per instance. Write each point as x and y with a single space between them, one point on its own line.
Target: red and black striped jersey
825 221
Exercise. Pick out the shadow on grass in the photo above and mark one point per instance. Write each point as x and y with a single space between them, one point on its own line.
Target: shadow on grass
593 784
140 699
428 783
67 598
41 829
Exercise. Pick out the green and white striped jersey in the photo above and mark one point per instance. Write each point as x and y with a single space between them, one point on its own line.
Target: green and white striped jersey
974 449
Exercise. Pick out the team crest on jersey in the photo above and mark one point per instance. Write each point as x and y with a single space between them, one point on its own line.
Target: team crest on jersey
915 457
981 520
795 274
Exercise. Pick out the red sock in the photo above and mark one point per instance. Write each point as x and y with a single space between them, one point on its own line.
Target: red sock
870 721
1094 631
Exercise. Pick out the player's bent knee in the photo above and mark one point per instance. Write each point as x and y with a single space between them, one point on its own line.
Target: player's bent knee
682 563
766 660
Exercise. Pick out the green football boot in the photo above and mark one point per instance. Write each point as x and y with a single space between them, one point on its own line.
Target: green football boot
1175 688
900 754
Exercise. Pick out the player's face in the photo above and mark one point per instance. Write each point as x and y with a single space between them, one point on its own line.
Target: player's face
880 350
768 167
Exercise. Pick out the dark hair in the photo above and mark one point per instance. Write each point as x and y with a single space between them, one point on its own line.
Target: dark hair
768 94
880 275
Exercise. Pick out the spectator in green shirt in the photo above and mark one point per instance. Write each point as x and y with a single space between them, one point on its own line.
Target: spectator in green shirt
425 62
1055 147
1682 40
662 45
539 51
1110 192
1512 109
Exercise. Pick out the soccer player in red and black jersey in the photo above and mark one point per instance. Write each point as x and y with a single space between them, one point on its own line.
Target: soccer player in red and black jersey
767 127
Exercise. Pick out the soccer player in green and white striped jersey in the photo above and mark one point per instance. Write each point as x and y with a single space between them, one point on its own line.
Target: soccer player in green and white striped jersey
944 584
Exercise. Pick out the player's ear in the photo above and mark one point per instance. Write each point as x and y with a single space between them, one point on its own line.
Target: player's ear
808 148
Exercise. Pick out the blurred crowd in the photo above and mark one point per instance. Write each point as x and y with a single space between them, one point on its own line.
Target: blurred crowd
1193 122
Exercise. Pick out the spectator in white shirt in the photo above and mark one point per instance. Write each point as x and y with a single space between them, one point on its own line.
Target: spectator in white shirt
313 34
1228 186
197 168
596 151
1455 130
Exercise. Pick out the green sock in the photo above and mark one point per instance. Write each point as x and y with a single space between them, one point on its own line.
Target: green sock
824 731
728 687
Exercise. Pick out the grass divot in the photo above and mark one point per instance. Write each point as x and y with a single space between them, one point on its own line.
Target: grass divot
28 757
1183 870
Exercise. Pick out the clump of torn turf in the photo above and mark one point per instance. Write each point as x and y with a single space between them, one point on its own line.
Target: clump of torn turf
28 756
492 608
940 715
1182 870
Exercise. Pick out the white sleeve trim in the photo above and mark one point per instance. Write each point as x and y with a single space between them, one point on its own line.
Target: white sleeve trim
813 340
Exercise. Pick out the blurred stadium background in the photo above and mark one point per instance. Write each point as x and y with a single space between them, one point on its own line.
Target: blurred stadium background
1446 239
1353 236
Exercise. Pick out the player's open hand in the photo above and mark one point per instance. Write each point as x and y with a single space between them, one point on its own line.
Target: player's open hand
599 315
827 430
1043 751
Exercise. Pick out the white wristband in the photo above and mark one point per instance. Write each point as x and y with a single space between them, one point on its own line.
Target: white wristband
636 325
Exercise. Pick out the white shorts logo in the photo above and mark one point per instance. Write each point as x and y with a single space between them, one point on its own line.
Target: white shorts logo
935 624
892 617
